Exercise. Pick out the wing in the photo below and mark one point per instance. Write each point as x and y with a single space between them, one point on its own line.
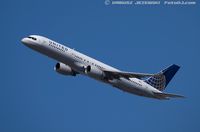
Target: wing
118 74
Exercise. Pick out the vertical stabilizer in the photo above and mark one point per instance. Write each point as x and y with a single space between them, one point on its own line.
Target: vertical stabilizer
162 79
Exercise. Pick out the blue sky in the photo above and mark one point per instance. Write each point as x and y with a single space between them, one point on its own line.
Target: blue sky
33 97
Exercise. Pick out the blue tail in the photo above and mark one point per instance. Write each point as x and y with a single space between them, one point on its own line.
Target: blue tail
161 80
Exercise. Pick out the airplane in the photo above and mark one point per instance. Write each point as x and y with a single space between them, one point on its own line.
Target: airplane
72 62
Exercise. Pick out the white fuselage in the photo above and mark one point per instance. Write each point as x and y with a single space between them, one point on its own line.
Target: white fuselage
76 60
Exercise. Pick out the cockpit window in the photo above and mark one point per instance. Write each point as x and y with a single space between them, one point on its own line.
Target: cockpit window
32 38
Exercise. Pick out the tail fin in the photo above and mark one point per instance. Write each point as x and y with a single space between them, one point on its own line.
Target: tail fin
161 80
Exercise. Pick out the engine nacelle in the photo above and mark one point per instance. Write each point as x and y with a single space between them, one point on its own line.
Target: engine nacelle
92 71
95 72
64 69
80 67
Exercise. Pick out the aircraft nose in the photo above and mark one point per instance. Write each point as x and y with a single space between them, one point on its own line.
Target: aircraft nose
24 40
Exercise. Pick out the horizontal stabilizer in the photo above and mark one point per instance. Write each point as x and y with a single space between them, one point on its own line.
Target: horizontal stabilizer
167 95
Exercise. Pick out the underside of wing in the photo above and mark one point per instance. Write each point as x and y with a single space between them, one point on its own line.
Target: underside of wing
118 74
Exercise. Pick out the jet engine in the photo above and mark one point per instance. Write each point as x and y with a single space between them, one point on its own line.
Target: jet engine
64 69
92 71
95 72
